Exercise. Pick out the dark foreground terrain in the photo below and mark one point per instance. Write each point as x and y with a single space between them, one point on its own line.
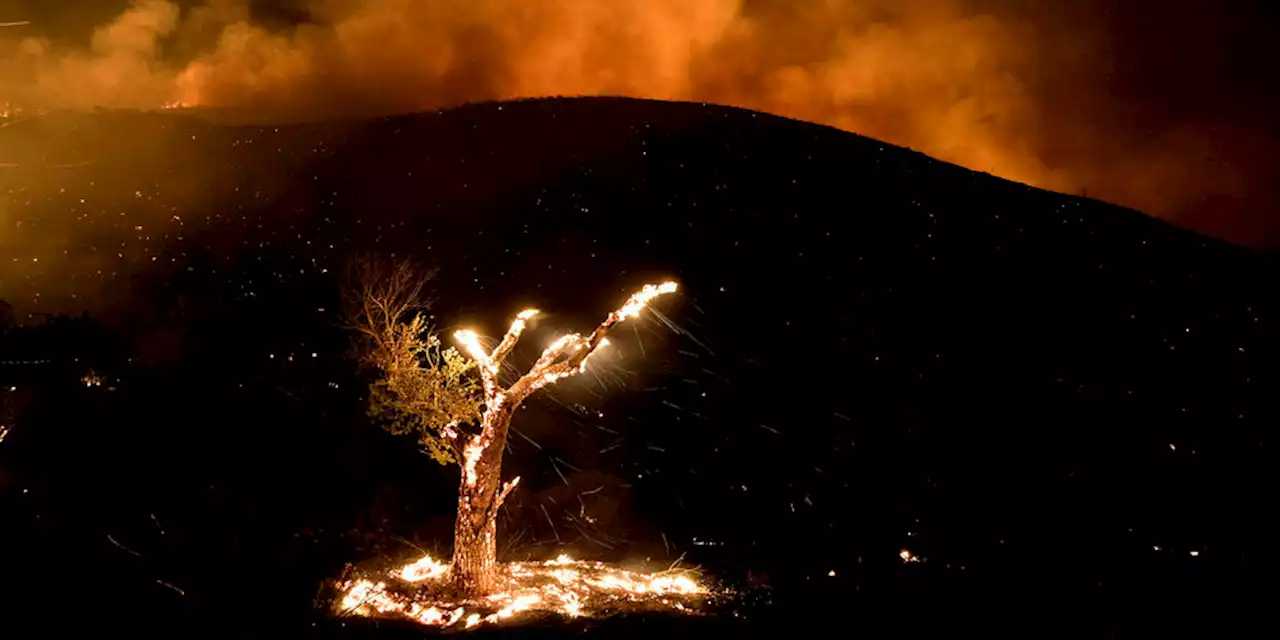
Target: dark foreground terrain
1059 406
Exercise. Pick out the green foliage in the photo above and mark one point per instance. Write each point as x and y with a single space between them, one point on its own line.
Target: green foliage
423 399
422 389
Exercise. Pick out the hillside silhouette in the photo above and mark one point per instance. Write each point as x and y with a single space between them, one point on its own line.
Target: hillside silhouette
1052 399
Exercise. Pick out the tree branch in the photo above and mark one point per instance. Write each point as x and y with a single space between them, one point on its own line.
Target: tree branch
497 502
509 341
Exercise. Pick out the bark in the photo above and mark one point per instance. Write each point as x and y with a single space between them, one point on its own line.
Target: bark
474 570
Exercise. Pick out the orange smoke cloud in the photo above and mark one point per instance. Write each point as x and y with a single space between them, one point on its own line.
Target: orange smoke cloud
1026 97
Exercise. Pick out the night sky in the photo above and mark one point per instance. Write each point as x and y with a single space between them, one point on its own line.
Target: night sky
1059 404
1163 106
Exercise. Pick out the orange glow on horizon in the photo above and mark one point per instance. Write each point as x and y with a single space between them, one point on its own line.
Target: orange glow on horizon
976 88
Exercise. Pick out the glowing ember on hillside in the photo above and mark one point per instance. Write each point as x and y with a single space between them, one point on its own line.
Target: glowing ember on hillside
563 586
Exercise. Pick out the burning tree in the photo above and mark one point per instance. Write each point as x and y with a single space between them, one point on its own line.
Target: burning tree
432 393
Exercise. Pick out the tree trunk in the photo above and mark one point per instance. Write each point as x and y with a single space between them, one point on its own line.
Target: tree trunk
475 568
474 571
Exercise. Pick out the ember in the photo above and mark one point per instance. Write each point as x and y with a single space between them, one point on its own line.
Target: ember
563 586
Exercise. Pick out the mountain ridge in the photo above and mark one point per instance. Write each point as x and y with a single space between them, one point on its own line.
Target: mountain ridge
237 117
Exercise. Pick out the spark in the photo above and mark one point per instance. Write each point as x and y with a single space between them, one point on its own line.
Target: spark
126 549
553 525
558 472
566 463
531 440
562 586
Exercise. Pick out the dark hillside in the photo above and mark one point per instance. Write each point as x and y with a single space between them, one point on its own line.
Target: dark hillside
1052 400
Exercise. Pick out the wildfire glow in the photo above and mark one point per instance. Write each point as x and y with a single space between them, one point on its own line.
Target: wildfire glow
562 586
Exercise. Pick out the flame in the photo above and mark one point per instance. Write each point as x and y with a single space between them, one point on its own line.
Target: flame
563 586
562 342
572 342
471 456
471 342
424 568
640 299
907 556
518 325
4 431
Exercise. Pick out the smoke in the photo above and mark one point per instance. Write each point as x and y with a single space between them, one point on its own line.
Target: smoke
1053 97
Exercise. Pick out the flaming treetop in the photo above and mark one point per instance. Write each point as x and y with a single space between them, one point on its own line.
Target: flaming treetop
566 356
640 299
